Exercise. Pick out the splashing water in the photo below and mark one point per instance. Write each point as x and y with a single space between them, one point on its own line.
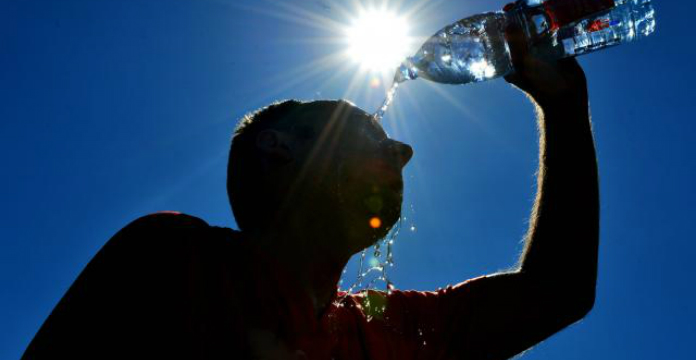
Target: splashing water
382 260
379 114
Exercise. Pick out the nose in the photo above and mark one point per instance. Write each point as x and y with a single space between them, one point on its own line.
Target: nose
400 151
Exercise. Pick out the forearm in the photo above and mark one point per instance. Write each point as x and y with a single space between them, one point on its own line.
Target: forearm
562 242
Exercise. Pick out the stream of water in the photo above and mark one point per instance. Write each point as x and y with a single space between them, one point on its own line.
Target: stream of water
379 114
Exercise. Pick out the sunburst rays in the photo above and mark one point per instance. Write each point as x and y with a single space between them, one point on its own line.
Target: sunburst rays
328 21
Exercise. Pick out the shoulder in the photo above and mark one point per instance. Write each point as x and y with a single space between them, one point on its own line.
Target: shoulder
159 250
165 221
164 239
138 288
162 229
155 254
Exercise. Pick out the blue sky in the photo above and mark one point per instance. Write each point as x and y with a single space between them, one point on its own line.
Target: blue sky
116 109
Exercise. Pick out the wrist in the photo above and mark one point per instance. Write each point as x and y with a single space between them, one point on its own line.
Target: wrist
570 101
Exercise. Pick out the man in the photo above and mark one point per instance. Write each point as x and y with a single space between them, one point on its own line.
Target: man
311 184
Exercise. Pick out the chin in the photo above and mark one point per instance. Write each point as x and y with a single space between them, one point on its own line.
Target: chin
383 203
388 218
363 235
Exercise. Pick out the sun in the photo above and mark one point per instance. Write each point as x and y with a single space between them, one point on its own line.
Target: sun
378 40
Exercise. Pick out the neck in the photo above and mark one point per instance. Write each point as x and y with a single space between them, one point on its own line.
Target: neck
312 259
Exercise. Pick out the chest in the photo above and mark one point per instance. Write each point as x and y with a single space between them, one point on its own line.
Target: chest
291 331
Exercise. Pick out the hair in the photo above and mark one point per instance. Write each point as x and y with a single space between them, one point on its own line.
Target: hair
244 189
251 203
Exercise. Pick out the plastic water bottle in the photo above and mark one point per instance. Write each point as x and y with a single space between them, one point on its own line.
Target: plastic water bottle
475 49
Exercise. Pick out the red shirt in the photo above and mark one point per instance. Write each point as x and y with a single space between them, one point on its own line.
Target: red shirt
171 286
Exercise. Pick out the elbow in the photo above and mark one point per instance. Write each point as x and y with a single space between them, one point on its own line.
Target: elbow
580 305
571 303
584 309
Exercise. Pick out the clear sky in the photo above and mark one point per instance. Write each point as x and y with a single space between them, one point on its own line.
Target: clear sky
114 109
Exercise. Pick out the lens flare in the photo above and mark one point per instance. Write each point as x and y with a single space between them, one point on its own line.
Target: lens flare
378 40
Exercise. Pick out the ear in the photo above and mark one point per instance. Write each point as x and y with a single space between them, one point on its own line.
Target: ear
275 145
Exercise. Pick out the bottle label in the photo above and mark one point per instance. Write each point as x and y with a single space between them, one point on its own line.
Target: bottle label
565 12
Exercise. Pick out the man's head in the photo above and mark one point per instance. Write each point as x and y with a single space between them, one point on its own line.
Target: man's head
318 166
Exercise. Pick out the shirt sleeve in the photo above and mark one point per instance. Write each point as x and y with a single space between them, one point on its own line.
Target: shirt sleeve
128 297
425 324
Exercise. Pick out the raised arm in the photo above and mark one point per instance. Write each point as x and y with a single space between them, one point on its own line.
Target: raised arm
562 241
554 284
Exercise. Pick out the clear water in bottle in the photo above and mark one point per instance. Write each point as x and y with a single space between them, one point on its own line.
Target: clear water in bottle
627 21
475 49
471 50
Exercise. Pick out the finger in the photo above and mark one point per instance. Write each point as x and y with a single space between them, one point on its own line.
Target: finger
518 52
513 79
518 45
509 6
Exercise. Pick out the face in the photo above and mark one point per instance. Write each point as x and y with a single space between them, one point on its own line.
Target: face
349 171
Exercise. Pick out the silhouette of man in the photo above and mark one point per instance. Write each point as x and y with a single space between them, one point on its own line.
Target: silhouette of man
304 181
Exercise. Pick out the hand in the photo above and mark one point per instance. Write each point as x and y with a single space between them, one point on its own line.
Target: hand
546 81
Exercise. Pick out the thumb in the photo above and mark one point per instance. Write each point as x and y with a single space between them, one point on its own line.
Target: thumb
519 51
